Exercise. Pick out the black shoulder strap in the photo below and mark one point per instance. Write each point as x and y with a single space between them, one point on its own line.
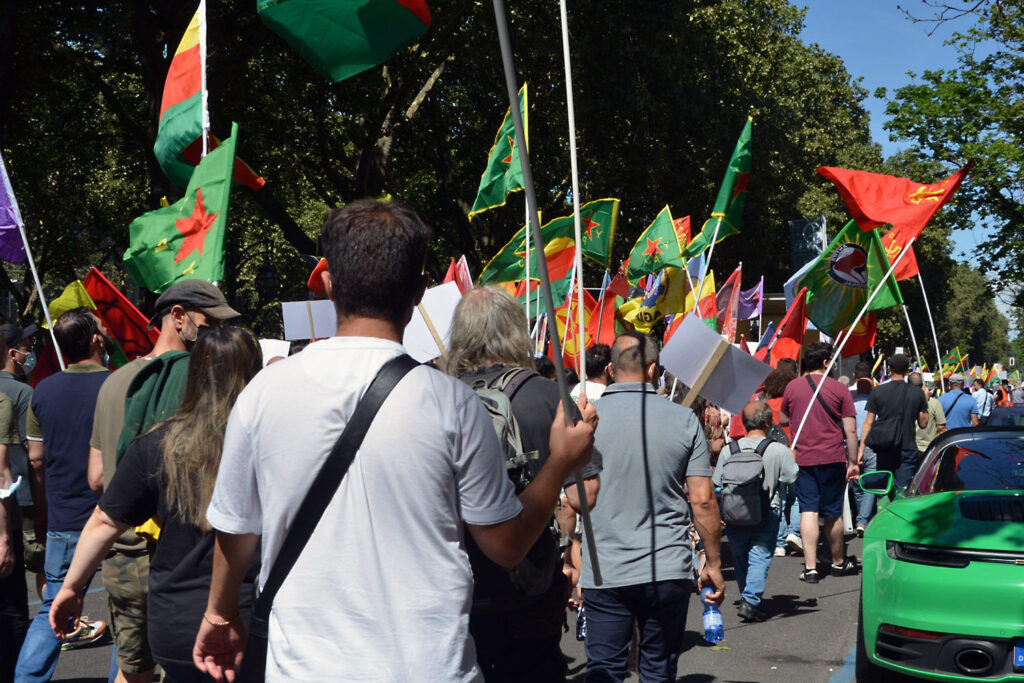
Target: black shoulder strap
734 447
763 446
328 479
821 402
955 400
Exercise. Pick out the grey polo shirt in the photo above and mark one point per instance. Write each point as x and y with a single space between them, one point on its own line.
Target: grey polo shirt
648 447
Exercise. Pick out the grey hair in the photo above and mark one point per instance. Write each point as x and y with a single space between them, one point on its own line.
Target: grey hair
489 328
760 416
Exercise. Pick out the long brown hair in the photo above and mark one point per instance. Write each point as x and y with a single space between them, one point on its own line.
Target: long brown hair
223 361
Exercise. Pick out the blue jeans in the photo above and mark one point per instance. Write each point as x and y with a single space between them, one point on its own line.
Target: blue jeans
787 496
660 612
752 555
902 464
865 501
38 657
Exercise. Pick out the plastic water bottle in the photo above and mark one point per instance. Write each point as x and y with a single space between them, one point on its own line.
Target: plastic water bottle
714 632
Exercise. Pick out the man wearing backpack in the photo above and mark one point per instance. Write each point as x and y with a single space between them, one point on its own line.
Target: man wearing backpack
827 455
517 615
893 409
750 473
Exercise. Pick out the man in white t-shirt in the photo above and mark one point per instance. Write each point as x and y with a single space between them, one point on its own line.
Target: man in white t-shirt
383 588
597 361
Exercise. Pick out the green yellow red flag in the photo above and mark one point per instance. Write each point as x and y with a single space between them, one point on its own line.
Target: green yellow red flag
504 172
186 239
843 277
732 196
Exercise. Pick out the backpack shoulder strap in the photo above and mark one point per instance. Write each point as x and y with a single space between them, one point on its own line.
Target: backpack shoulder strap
763 446
510 381
734 447
831 413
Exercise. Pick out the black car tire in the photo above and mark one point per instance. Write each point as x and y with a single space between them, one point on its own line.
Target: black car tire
865 670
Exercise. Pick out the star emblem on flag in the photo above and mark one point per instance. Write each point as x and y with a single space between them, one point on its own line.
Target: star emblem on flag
740 186
194 228
653 250
589 225
511 150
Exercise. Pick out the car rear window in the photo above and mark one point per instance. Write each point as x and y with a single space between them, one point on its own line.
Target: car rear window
991 464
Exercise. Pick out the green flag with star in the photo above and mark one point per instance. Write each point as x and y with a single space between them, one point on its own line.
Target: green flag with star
503 173
186 239
598 220
841 280
657 248
732 195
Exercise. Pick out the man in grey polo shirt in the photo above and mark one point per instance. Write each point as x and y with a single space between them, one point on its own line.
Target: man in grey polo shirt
655 454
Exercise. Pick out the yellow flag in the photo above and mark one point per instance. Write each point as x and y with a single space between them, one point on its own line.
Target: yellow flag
73 296
706 291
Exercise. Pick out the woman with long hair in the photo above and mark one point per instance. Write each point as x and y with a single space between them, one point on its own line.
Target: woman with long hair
168 473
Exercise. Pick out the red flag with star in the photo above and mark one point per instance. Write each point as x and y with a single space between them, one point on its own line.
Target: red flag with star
657 248
186 239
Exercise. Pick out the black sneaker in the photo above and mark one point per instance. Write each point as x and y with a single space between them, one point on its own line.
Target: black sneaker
809 575
849 567
748 612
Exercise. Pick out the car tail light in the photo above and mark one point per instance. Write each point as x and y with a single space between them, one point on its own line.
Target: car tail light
910 632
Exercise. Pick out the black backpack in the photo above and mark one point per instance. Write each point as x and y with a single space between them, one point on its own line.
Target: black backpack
743 501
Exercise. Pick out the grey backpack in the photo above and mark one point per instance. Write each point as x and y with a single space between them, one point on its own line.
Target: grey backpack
743 500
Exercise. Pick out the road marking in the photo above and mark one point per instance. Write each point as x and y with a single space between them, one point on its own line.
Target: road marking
849 670
91 590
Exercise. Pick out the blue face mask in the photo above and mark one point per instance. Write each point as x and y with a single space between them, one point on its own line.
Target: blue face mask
29 364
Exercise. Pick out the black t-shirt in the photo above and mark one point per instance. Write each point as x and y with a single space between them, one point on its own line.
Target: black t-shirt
179 573
534 405
903 399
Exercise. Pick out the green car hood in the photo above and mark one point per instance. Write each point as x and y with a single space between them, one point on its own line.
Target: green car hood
938 519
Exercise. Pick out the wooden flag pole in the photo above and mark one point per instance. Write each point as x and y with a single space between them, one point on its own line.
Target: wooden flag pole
508 65
935 337
433 332
839 350
574 171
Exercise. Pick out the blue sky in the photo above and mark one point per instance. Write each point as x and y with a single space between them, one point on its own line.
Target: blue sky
880 44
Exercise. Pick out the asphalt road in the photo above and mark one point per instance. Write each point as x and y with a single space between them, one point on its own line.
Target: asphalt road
808 639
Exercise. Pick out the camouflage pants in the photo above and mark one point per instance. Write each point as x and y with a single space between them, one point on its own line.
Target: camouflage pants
35 552
126 578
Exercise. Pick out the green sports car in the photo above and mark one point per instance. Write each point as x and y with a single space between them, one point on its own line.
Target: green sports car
942 591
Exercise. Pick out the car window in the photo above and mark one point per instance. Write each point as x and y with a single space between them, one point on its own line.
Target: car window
994 464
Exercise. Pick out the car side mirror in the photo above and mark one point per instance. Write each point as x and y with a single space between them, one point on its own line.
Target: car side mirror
878 482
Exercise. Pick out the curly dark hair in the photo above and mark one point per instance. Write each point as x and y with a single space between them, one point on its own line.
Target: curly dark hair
776 381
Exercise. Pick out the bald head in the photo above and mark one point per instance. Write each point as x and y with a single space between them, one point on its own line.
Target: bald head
757 417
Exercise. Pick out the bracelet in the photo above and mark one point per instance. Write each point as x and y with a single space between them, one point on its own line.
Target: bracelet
211 622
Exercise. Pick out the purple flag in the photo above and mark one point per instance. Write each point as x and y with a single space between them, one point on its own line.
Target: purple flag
11 248
751 302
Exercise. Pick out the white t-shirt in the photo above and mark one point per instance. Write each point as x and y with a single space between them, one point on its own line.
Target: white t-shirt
383 589
594 391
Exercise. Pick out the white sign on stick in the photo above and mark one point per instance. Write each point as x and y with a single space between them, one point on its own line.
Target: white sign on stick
440 303
272 348
309 319
733 381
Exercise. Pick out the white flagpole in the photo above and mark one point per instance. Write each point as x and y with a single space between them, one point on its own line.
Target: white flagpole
578 233
935 337
910 327
202 62
839 349
9 189
508 66
707 261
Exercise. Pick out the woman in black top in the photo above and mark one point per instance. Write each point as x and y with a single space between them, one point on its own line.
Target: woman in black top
168 473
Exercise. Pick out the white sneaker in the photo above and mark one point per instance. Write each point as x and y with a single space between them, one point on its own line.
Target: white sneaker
780 551
794 543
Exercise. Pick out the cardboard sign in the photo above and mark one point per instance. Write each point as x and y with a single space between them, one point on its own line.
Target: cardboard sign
729 382
272 348
439 303
314 319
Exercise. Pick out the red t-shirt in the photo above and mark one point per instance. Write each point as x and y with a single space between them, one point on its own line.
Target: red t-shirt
822 440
